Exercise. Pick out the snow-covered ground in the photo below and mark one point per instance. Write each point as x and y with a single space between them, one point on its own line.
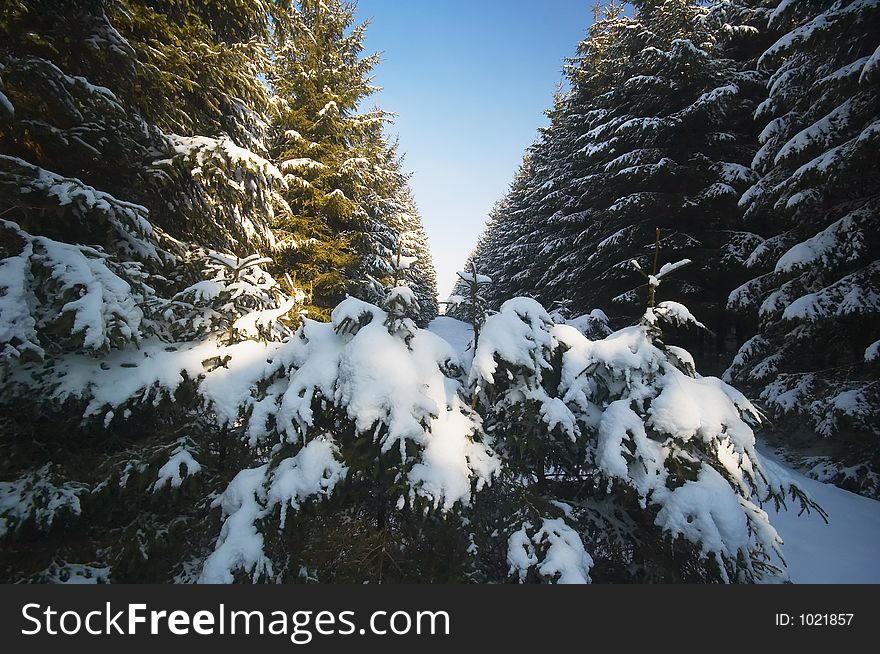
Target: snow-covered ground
845 550
455 332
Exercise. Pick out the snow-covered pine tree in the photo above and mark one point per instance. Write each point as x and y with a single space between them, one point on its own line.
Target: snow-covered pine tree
104 185
654 130
198 79
415 258
150 361
816 264
619 462
346 189
157 410
236 297
468 299
393 231
344 453
516 235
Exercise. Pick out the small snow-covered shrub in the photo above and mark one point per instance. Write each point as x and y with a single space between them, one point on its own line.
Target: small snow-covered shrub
652 464
368 399
235 295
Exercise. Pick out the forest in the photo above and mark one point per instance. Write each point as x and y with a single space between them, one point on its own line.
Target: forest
221 358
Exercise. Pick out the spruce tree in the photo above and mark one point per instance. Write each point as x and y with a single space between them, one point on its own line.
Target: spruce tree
496 248
346 191
413 252
619 462
654 131
125 166
170 412
813 214
138 313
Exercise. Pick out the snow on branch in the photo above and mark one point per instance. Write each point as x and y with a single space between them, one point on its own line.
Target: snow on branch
668 268
555 551
134 234
470 278
90 298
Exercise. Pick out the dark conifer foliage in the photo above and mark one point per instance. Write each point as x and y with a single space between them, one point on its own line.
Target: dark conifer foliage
654 132
131 149
746 132
815 270
139 213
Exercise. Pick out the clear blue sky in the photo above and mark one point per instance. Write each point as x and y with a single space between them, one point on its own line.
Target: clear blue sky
470 80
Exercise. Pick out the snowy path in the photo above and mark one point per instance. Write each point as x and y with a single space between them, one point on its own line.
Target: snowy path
455 332
846 550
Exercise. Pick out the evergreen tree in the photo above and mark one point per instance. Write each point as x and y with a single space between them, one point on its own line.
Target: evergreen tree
357 457
101 88
125 165
469 302
619 461
346 190
169 414
754 166
413 252
654 131
319 81
136 303
815 269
